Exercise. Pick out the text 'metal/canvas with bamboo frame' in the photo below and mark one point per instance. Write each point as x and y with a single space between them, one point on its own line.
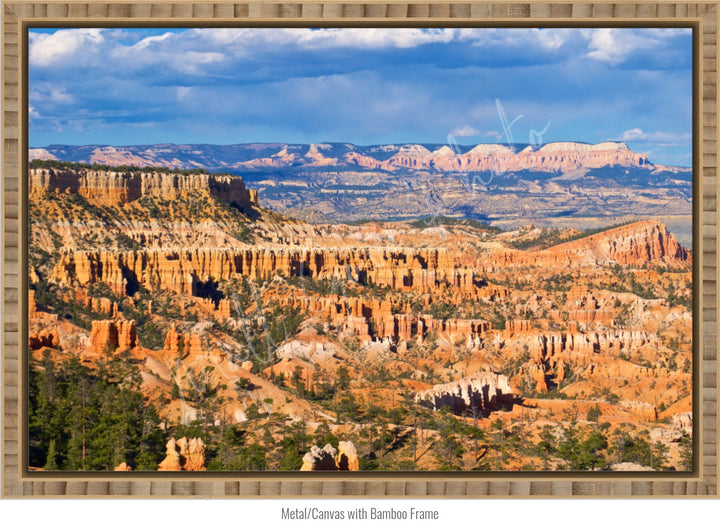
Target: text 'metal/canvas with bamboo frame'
474 314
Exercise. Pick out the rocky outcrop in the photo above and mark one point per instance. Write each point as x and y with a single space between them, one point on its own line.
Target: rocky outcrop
185 270
32 305
118 188
633 245
630 466
576 347
391 319
683 421
482 392
318 459
44 338
113 336
345 458
184 455
644 410
123 466
183 345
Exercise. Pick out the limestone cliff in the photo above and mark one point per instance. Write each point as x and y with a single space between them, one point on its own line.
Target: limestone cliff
632 244
403 268
481 392
108 336
117 188
181 270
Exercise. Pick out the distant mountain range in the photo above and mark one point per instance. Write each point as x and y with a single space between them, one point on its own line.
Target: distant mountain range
566 184
496 158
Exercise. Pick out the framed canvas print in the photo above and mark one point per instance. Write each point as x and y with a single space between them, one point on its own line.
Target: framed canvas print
370 249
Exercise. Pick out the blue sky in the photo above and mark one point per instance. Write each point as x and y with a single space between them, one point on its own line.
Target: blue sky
124 86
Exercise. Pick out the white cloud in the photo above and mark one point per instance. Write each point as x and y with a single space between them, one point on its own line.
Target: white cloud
553 39
46 49
192 61
546 39
362 38
184 93
149 41
49 93
465 131
610 45
614 45
661 138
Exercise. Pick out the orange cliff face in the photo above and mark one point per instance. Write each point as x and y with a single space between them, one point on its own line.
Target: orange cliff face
112 336
389 319
180 270
401 269
118 188
631 245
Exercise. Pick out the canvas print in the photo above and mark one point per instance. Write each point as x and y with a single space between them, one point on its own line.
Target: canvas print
360 249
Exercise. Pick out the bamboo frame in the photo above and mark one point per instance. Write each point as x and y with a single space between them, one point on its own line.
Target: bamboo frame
17 16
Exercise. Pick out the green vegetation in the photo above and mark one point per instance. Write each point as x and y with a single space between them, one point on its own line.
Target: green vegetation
83 419
549 237
582 454
64 302
438 220
639 451
70 165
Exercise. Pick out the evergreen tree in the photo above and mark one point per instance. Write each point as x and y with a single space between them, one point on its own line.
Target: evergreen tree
85 419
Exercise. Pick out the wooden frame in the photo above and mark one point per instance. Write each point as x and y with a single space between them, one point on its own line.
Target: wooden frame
17 16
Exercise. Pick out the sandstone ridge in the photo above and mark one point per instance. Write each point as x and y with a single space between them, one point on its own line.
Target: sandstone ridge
117 188
632 244
403 269
482 392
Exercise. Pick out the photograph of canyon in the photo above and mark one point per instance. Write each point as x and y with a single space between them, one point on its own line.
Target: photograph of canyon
356 249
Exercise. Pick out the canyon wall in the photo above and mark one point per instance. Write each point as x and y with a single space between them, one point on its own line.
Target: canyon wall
183 270
118 188
418 270
480 392
632 244
369 319
108 336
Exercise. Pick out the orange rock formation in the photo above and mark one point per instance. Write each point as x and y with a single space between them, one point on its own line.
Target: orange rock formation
345 458
112 335
484 392
118 188
184 455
